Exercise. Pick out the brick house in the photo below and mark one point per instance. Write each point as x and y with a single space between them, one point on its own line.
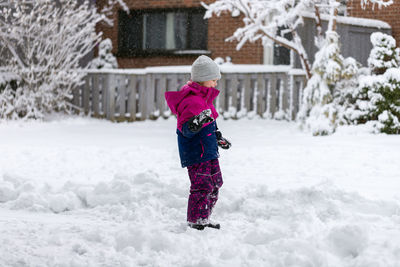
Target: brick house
173 32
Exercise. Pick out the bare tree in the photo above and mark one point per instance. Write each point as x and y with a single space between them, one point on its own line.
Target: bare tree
44 42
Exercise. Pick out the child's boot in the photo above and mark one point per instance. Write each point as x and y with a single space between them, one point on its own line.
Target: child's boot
199 226
196 226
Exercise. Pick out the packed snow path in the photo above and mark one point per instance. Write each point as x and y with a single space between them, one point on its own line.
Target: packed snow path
84 192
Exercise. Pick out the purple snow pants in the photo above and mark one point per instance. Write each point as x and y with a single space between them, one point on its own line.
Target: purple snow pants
206 179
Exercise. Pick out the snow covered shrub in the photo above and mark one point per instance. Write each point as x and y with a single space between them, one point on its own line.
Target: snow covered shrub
43 42
377 98
318 112
378 101
106 59
221 61
384 54
9 83
8 79
346 90
330 91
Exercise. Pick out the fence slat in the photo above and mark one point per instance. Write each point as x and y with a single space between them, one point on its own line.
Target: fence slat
86 94
272 94
247 91
122 95
221 98
150 90
131 90
260 91
104 84
95 94
76 97
173 82
110 97
161 97
234 84
143 98
285 93
293 96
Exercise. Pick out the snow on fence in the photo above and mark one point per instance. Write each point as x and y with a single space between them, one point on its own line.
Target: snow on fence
138 94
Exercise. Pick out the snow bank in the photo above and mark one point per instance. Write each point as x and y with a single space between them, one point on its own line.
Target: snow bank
18 194
139 220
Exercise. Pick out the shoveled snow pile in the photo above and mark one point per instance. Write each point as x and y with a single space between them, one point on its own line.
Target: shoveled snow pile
81 192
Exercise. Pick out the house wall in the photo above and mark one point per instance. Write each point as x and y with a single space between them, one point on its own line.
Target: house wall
389 14
219 28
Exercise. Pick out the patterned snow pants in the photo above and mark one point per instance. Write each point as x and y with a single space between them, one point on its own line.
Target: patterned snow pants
206 179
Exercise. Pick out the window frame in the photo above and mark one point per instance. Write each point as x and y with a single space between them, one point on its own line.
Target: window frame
124 52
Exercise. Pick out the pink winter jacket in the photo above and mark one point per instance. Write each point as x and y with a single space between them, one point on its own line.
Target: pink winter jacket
190 101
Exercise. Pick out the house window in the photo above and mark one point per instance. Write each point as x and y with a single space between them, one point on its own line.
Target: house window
281 53
175 31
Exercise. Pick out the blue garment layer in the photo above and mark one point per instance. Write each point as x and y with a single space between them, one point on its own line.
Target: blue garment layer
197 147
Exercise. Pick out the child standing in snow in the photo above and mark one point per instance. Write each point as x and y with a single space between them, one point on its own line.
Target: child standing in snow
199 138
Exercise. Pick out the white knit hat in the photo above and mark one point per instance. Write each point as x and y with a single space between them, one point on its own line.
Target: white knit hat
205 69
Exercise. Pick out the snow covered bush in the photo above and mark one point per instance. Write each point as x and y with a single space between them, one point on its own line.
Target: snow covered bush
378 101
9 82
221 61
384 54
377 98
43 43
330 91
346 90
106 59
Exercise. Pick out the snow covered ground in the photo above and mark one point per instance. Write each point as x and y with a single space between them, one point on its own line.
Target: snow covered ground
85 192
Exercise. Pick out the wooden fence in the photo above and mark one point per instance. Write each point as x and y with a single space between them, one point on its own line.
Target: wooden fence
129 95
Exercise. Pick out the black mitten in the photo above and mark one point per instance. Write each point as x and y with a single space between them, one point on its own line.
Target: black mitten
222 142
195 123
